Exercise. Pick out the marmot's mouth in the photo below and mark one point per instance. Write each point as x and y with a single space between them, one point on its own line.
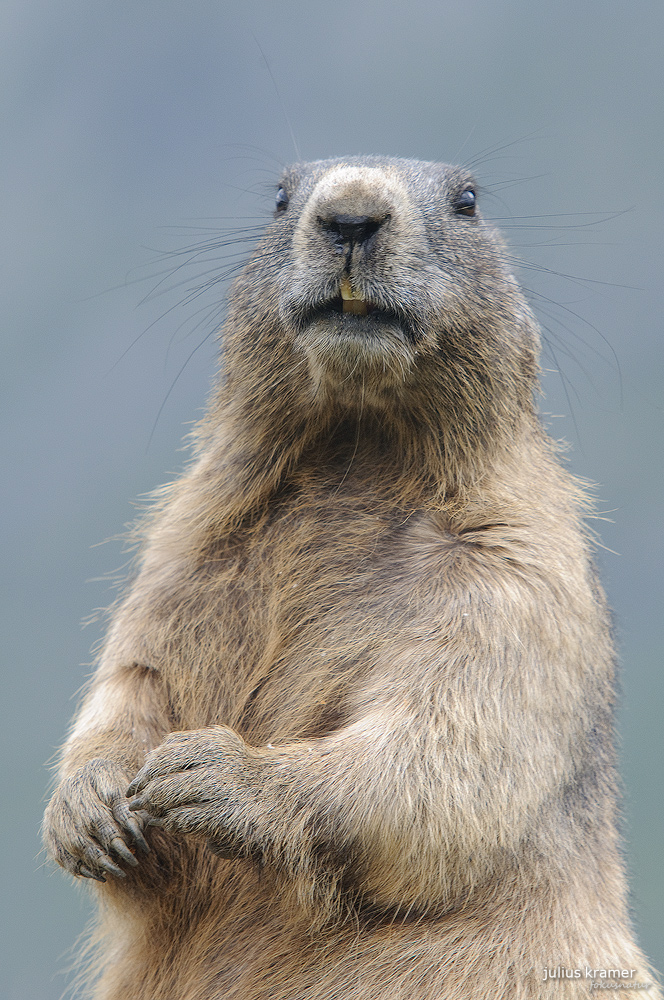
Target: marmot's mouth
356 311
349 313
355 307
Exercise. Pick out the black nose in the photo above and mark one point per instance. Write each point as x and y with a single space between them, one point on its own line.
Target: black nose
351 230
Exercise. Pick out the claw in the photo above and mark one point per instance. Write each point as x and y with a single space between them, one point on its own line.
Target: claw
137 835
108 866
120 848
133 787
86 873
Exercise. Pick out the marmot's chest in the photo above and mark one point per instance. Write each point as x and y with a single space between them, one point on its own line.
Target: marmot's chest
340 589
335 564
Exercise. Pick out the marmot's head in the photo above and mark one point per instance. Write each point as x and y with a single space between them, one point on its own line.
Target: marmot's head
379 283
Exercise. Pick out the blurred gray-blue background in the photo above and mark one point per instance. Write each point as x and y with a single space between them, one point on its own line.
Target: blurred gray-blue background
133 129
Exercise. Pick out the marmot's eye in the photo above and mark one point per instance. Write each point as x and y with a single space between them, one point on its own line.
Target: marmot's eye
282 200
465 204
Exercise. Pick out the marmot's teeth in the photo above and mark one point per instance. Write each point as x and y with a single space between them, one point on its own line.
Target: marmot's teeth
356 306
352 302
347 292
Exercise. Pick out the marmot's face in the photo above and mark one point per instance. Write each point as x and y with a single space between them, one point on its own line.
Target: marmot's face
382 270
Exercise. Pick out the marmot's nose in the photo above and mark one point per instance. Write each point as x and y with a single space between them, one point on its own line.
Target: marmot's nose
351 230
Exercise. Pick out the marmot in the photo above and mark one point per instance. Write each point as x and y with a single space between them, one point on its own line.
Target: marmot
351 733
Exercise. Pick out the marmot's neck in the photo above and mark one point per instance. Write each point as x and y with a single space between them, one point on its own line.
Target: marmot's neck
241 470
414 458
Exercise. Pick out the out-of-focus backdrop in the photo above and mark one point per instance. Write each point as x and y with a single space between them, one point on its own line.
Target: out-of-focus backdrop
132 131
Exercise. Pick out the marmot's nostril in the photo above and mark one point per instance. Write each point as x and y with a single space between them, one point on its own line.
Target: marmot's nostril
351 229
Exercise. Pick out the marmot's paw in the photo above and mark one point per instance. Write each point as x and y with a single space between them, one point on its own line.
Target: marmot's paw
88 827
200 782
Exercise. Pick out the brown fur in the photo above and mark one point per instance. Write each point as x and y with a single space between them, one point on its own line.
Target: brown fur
364 671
